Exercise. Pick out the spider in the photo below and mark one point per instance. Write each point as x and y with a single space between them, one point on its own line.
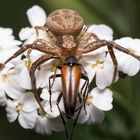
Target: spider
68 38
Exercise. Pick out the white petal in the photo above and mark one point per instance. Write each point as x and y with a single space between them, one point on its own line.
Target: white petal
24 79
26 33
11 111
46 95
96 115
36 16
27 120
3 99
51 112
104 75
8 52
102 99
29 102
43 125
5 32
84 116
56 124
102 31
127 64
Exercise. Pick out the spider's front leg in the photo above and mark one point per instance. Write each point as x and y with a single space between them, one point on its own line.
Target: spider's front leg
110 44
42 47
85 36
32 70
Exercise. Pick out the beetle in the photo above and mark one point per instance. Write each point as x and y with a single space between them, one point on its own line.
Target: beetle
71 74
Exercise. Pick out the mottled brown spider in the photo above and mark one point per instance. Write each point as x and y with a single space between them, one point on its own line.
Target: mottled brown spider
68 37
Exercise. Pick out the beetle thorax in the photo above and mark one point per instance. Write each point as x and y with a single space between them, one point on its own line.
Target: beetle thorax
68 41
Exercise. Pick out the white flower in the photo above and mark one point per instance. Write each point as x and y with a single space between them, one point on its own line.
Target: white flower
103 67
126 63
24 108
9 82
8 44
51 112
97 102
3 98
45 125
102 31
37 17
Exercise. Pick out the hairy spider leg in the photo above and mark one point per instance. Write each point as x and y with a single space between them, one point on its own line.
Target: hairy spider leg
40 43
85 36
49 33
32 70
34 66
114 60
39 47
102 43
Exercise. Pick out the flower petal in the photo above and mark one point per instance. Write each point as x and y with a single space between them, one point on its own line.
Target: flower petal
11 111
27 120
36 16
29 102
102 99
43 125
102 31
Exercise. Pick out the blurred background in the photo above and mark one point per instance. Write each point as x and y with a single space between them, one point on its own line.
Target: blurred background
123 16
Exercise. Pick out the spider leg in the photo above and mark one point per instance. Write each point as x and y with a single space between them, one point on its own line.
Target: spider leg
40 47
34 66
49 33
102 43
17 53
113 57
85 36
110 44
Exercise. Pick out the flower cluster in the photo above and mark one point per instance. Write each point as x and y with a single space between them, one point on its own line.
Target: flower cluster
15 84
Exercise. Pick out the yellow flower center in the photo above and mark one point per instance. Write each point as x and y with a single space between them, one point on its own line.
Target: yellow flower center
5 77
54 66
99 65
89 100
19 108
28 63
131 50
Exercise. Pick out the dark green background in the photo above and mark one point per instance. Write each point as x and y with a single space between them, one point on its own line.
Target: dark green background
121 123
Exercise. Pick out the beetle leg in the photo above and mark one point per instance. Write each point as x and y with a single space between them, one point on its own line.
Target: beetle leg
34 66
75 121
85 87
85 93
63 120
51 85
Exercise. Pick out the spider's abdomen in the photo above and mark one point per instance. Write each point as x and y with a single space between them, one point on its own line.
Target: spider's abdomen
65 21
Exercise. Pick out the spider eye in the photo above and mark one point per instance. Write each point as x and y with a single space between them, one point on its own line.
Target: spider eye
65 21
